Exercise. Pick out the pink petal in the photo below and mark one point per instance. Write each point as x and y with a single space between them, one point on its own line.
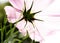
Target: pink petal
30 30
54 38
50 23
33 32
41 5
28 3
12 14
53 10
52 13
50 27
19 4
47 27
56 15
21 27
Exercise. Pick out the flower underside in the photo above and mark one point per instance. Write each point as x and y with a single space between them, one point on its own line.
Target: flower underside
28 16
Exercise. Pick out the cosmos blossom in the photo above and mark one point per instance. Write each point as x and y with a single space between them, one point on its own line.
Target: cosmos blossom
40 18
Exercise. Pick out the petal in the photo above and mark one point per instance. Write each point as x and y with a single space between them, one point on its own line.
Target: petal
19 4
52 13
54 38
50 24
33 32
21 27
12 14
30 30
39 5
28 4
47 31
47 27
54 9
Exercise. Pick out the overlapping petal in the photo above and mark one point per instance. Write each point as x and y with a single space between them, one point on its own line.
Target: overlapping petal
12 14
30 29
21 27
18 4
33 32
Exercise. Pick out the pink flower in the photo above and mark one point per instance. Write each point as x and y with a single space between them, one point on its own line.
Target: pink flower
41 22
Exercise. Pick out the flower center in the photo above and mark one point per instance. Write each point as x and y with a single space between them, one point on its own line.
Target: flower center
28 16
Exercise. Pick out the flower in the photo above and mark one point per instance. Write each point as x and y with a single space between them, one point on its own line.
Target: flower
33 16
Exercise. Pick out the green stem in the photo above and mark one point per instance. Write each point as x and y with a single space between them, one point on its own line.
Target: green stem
1 34
32 41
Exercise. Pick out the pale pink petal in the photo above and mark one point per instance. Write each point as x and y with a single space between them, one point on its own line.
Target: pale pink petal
12 14
21 27
41 5
54 9
54 38
47 31
30 29
50 18
56 15
19 4
28 4
38 36
33 32
50 23
48 27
